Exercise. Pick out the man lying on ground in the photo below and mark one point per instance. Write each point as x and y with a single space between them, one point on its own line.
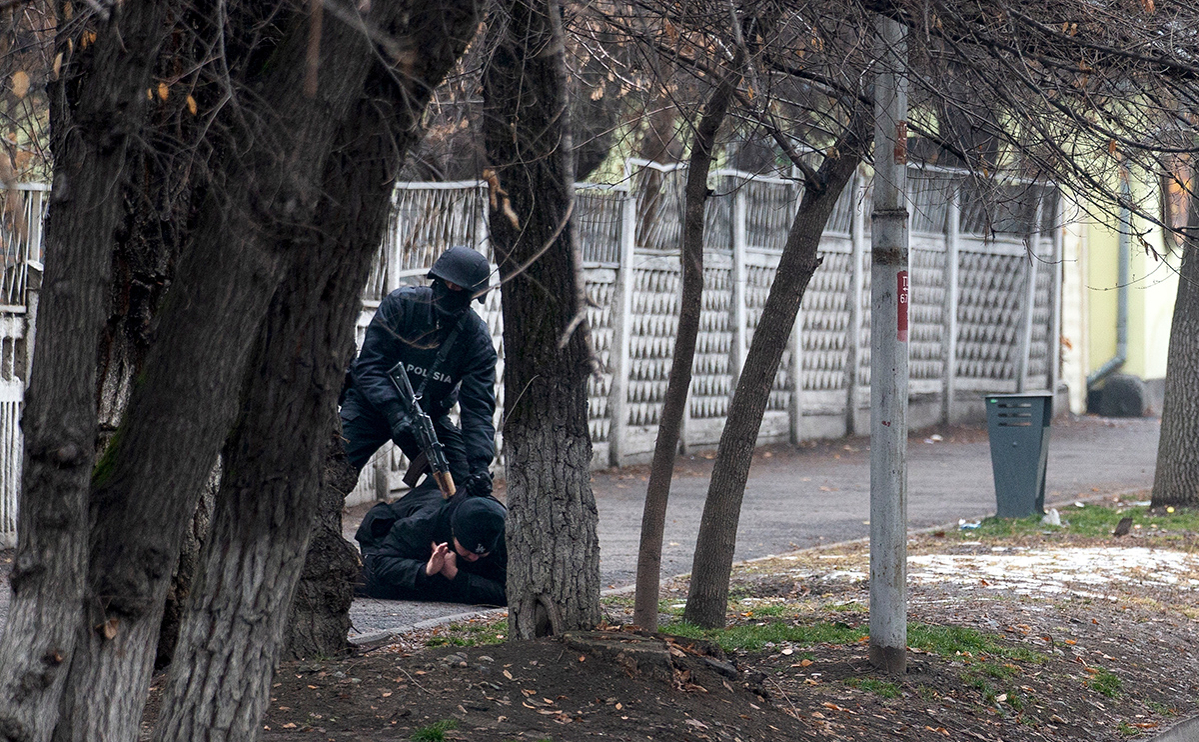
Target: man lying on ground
422 547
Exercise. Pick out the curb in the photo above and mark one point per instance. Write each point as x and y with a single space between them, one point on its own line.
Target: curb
1184 731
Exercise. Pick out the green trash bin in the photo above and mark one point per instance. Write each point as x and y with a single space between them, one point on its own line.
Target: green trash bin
1018 426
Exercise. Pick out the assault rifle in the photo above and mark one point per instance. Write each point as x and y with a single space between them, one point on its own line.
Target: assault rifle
432 451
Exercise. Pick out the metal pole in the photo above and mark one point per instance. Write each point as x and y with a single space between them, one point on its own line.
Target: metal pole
889 356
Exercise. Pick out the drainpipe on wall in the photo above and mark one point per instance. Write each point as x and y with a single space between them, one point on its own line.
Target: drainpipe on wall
1123 278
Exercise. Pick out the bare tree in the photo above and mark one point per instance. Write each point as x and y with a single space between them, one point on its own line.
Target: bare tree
653 519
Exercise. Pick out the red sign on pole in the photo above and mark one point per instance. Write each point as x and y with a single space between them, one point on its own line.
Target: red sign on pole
901 323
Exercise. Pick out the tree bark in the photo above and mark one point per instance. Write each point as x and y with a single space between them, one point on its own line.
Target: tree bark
657 494
236 623
1176 478
319 620
257 218
96 107
708 598
554 584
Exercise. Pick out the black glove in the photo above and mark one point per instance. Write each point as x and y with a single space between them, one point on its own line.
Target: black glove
478 484
402 431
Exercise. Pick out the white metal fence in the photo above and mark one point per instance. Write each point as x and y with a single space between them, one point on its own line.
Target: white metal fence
982 315
21 219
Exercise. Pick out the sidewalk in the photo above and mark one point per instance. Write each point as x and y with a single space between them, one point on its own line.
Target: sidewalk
816 494
819 493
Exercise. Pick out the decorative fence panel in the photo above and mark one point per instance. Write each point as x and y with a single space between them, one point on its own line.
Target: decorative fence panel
970 276
629 235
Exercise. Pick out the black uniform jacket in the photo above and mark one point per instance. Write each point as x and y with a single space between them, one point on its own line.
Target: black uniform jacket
397 540
406 328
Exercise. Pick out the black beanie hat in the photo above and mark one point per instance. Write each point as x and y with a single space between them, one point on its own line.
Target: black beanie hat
478 524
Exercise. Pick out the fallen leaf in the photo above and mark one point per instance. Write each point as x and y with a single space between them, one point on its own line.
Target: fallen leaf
20 83
507 674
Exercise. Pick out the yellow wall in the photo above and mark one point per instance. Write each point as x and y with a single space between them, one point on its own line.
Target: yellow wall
1152 288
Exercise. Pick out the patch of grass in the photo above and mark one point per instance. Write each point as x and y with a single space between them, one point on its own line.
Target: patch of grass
927 693
473 634
1105 682
999 672
1016 701
852 606
618 601
878 687
756 637
1093 521
948 641
1128 730
768 610
435 732
668 607
1161 708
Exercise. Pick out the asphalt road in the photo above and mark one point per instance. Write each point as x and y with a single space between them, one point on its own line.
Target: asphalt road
820 493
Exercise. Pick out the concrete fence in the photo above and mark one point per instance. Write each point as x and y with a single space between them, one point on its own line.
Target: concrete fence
985 286
985 307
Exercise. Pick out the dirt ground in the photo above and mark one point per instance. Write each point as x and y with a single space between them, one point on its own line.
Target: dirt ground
1087 645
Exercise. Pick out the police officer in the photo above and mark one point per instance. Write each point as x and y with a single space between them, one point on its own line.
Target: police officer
446 348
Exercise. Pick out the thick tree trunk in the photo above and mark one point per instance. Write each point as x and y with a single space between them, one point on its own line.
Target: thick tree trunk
319 623
236 623
553 583
320 611
657 493
1176 478
183 406
96 108
708 598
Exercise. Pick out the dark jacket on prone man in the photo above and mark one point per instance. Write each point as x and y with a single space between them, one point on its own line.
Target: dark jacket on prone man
411 326
398 539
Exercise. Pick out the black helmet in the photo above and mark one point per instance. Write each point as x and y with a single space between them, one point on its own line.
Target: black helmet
465 267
